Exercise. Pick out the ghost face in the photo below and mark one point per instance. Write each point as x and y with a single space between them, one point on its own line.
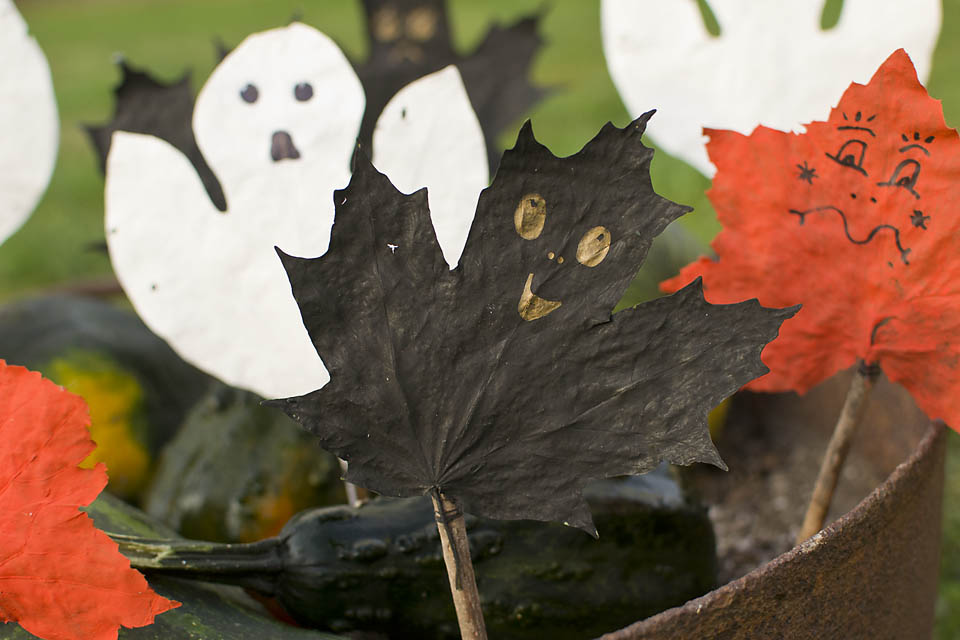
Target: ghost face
591 248
283 97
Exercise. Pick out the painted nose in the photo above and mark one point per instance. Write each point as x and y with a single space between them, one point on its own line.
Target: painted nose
282 147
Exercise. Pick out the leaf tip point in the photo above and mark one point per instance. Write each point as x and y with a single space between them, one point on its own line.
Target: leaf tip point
643 119
789 312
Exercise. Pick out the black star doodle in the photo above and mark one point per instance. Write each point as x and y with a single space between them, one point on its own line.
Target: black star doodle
918 219
807 173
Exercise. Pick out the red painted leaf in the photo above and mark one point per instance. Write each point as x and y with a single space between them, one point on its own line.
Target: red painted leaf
60 578
855 219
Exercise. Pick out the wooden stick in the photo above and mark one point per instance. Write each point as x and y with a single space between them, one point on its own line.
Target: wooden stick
355 495
853 409
456 555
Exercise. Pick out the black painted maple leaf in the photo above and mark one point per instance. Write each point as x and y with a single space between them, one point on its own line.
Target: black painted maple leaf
505 383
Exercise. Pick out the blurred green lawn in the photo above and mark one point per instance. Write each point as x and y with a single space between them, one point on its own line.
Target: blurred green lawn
80 38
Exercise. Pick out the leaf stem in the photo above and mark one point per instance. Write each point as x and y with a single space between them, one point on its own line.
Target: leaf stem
456 555
853 409
355 495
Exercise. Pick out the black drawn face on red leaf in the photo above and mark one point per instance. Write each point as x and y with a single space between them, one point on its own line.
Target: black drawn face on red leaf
873 171
870 183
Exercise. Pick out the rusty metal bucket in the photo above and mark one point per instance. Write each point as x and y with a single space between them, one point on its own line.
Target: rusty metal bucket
870 574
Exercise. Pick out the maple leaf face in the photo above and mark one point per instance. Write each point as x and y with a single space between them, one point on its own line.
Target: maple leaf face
866 170
571 251
854 220
505 383
408 32
529 220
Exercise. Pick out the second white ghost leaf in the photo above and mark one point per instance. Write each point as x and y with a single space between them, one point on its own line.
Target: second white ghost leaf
772 64
428 135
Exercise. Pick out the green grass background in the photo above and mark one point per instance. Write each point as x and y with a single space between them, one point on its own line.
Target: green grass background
80 38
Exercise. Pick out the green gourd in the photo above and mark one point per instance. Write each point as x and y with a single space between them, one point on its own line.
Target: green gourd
238 471
207 611
137 388
379 568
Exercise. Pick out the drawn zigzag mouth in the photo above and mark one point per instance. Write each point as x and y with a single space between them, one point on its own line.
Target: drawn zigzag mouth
846 229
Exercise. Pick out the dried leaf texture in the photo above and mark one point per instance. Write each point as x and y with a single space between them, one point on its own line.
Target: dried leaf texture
60 578
506 383
853 219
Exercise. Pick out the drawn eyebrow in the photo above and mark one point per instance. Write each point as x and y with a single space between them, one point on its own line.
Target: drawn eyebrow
913 146
870 131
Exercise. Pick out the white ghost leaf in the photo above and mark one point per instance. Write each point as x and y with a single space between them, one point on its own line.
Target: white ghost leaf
197 277
29 127
428 136
772 64
208 282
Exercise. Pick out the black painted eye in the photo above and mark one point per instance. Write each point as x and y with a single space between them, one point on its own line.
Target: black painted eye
249 94
905 176
850 155
303 91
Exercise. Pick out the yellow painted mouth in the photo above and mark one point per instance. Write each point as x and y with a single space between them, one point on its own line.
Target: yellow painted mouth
533 306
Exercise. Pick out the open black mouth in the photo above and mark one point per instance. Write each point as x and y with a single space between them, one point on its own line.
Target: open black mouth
846 228
282 147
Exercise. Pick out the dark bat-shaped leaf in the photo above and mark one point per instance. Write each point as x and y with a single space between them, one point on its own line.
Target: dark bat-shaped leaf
411 38
144 104
505 383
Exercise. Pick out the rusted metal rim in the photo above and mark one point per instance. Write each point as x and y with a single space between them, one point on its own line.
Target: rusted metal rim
870 574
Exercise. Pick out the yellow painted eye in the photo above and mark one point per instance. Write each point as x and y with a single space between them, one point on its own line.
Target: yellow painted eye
422 24
386 24
530 215
593 247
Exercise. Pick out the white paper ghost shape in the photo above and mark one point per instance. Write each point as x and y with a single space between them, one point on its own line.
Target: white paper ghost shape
772 64
29 127
277 122
432 118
